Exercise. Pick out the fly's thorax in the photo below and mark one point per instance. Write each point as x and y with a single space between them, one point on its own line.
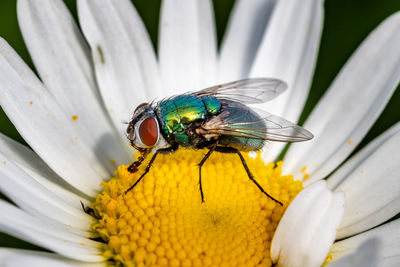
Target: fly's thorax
178 113
212 104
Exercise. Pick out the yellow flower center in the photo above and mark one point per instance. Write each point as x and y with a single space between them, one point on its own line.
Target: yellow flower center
162 221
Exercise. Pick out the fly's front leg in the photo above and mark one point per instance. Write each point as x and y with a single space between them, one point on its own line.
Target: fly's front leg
135 165
88 210
167 150
249 174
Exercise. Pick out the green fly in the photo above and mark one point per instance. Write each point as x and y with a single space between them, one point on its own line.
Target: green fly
216 118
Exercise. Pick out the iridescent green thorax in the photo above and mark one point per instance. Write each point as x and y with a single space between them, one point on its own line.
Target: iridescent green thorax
213 105
178 112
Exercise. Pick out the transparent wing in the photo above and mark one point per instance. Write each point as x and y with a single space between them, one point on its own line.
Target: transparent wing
261 126
248 91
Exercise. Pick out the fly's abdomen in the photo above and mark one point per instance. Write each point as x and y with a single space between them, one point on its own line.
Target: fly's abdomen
241 113
242 143
178 112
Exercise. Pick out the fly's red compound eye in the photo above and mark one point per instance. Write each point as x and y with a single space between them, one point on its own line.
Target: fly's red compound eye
148 132
141 105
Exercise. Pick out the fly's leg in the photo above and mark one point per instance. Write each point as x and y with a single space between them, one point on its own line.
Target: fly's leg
88 210
134 166
167 150
249 174
201 165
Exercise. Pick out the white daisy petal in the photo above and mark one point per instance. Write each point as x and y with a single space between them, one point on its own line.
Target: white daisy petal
21 257
63 61
288 51
34 166
355 161
388 236
244 33
45 126
125 62
35 261
57 238
308 227
365 256
187 45
372 190
351 105
36 199
14 217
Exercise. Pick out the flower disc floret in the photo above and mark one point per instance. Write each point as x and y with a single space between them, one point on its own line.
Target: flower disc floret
162 221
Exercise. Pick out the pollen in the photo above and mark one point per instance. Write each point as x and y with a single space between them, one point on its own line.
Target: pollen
74 117
328 260
350 141
305 173
162 221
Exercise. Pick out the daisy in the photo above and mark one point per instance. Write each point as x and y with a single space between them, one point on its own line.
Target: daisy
91 81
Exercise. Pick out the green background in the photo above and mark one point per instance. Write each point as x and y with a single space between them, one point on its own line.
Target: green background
347 23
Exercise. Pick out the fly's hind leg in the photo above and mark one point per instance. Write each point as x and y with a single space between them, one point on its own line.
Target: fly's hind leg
249 174
167 150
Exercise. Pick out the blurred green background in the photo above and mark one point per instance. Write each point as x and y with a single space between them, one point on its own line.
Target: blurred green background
347 23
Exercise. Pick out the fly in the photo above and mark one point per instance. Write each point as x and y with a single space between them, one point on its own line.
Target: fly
216 118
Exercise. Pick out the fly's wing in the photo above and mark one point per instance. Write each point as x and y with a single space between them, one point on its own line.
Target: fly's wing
241 121
248 91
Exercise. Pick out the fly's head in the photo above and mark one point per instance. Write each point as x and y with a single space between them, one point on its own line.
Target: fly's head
143 129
